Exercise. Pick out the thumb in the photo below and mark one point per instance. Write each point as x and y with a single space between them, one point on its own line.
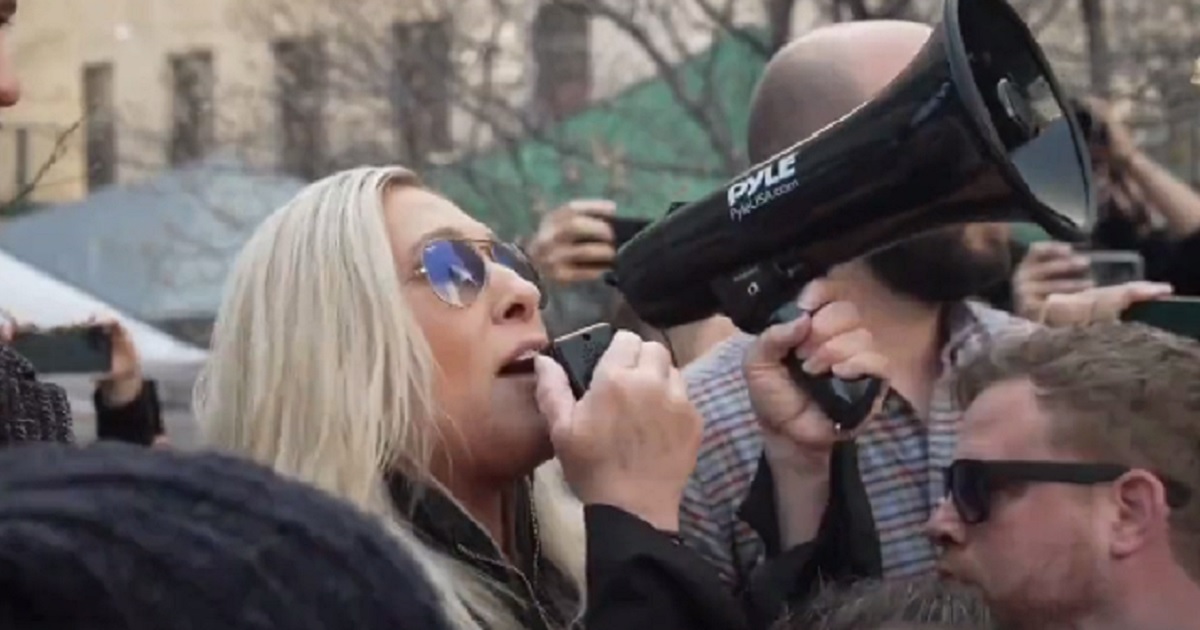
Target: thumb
778 341
554 396
1141 291
1124 296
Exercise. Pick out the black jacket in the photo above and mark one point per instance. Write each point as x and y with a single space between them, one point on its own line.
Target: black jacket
138 422
845 550
637 576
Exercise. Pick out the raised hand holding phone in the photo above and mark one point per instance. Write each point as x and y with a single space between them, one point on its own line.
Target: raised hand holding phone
1049 268
124 381
100 347
631 441
575 242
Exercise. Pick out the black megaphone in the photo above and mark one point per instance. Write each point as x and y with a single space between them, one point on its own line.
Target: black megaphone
976 129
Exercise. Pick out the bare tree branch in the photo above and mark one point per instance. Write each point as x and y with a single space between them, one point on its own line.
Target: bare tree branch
60 148
779 20
719 136
890 9
1040 14
1095 28
722 19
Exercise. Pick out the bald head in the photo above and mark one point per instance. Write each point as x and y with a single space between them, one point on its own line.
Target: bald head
825 74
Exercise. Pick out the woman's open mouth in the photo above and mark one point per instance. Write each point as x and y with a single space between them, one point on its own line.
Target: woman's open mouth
520 366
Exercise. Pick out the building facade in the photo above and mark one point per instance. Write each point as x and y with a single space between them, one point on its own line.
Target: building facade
118 90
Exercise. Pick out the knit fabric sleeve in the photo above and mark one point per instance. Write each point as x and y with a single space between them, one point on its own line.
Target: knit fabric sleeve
30 411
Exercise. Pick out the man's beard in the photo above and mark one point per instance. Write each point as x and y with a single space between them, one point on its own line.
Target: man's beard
940 267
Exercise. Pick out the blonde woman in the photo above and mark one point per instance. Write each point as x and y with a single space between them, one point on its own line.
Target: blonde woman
364 346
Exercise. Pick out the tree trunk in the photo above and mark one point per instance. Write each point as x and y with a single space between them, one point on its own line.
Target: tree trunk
779 17
1099 56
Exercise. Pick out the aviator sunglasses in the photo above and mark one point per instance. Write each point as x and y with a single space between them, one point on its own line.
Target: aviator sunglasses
970 483
457 268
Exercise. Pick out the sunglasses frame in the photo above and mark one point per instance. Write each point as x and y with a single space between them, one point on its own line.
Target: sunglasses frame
989 476
487 255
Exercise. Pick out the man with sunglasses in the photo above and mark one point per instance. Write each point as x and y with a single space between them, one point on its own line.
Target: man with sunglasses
776 508
1072 500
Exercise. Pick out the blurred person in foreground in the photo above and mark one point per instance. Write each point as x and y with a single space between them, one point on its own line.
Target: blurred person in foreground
126 404
909 604
10 84
368 344
1072 499
115 537
573 247
779 502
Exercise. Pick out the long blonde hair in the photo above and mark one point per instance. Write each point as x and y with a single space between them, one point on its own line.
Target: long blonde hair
319 370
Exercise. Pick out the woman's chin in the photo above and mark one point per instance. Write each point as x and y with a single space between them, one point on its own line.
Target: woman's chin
514 406
515 389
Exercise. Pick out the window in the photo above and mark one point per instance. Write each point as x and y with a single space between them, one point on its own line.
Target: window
192 106
301 91
23 174
562 56
101 123
421 87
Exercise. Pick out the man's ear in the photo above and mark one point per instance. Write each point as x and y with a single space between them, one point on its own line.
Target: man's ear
1141 511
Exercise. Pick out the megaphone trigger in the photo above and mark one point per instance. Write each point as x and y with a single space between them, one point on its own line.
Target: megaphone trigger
846 402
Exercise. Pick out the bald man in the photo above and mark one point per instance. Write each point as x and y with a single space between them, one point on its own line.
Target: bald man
859 511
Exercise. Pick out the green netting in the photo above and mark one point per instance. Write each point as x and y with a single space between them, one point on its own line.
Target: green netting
641 148
1026 233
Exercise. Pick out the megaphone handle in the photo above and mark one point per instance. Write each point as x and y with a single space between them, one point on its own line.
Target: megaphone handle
847 402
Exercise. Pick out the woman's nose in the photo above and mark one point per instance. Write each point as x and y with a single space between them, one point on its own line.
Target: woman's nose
518 297
10 86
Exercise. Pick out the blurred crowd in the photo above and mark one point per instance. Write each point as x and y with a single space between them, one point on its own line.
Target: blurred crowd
386 445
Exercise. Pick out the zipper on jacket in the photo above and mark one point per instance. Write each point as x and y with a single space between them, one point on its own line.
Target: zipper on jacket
509 569
537 535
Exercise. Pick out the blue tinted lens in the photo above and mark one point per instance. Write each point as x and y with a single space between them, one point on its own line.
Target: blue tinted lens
455 270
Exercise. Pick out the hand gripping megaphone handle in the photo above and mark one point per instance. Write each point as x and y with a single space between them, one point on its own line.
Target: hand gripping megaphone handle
846 402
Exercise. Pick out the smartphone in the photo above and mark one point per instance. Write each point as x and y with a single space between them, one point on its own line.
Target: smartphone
1176 315
74 350
1110 267
578 353
625 228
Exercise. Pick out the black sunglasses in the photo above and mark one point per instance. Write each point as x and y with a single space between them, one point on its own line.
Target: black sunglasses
971 482
457 269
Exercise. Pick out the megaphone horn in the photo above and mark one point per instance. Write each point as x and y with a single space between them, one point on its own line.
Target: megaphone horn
974 129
